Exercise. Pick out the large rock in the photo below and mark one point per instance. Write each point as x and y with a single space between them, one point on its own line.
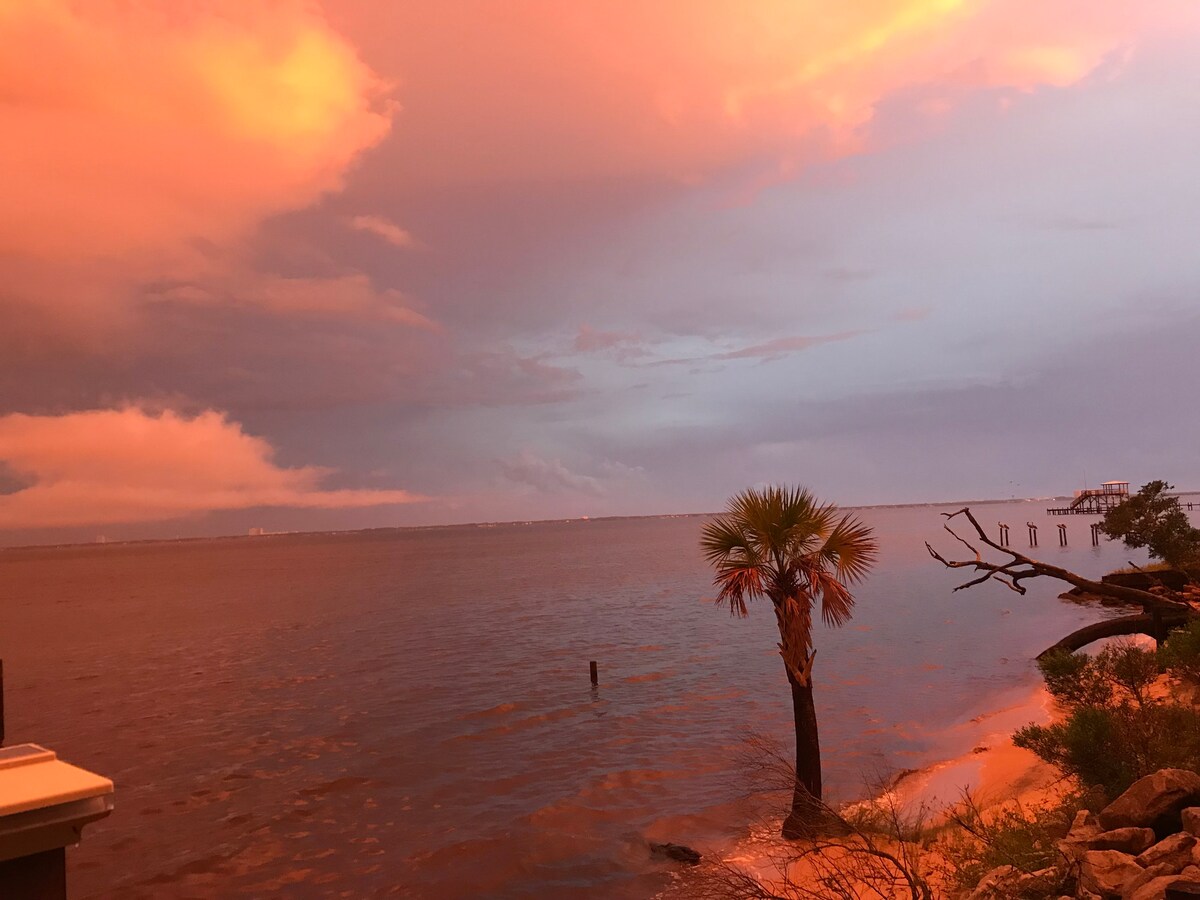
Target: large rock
1154 802
1148 875
1174 851
1190 819
1085 827
1106 872
1127 840
1039 883
996 884
1155 889
677 852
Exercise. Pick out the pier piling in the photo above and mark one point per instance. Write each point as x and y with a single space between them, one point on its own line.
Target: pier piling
1032 534
1062 535
1003 534
1095 534
595 675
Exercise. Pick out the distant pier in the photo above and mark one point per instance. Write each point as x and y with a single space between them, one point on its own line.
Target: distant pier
1094 502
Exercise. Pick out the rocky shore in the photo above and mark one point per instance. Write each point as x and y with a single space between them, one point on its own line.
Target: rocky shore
1139 847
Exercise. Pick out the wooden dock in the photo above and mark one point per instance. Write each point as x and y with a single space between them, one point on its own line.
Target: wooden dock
1096 501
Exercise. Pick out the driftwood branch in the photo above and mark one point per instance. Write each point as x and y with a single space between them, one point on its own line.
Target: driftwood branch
1020 567
1165 609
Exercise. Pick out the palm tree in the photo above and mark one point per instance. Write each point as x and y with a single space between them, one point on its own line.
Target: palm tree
780 543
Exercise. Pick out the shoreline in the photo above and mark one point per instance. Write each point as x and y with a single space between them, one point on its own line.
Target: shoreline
994 772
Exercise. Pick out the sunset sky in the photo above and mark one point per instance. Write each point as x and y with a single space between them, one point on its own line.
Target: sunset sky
301 266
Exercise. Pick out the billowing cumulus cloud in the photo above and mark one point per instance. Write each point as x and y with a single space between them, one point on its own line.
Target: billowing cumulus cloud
549 475
129 465
139 138
687 88
129 127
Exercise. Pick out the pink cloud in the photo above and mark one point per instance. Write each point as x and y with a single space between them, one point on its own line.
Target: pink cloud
386 229
767 351
786 346
129 465
621 344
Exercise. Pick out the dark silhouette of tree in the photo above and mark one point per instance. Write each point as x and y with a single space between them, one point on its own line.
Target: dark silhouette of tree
1153 520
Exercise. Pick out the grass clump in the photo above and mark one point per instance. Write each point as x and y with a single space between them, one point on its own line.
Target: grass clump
1017 835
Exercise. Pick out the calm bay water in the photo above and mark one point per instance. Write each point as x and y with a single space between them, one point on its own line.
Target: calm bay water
408 713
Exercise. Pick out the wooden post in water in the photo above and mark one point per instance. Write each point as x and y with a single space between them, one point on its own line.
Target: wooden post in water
1032 534
1062 535
1003 534
1095 534
595 676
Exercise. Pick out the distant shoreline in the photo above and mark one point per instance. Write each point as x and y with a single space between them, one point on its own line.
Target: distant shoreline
504 524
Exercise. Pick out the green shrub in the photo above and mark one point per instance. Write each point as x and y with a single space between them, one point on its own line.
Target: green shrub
1180 653
1089 745
1111 747
1074 680
1152 519
1114 731
1119 673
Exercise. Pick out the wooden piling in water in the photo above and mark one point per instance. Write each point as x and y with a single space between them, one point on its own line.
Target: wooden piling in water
595 674
1062 535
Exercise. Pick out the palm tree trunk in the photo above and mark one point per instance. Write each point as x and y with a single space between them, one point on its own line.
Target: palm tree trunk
807 811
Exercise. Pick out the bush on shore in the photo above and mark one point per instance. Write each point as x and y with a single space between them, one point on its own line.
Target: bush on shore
1180 654
1117 728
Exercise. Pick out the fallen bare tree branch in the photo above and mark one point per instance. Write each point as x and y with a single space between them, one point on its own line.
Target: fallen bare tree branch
1163 608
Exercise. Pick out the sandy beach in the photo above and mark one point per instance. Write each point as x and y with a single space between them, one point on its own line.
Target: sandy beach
994 773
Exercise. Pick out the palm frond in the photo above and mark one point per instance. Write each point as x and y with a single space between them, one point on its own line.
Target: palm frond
850 548
732 550
837 603
780 542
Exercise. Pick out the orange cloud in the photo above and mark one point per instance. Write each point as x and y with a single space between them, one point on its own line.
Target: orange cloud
546 90
128 465
133 133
